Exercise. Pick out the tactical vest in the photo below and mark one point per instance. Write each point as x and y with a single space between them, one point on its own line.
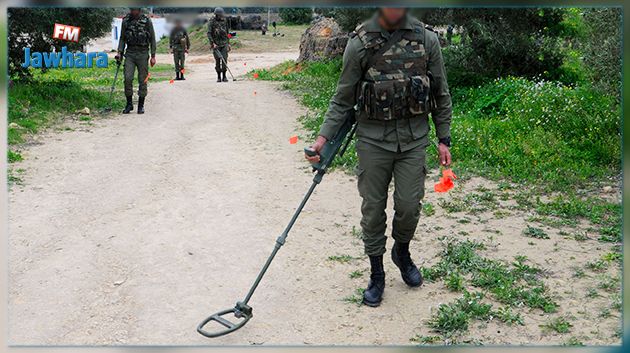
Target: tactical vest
396 84
137 31
179 38
219 31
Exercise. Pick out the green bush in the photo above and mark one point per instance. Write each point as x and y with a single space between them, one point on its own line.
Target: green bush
296 15
536 131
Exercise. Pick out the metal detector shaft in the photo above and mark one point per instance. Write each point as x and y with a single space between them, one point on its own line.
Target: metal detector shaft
111 91
225 63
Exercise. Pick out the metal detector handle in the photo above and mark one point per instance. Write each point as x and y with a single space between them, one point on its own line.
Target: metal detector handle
331 148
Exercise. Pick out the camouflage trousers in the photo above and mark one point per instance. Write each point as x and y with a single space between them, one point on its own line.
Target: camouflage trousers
179 57
220 64
376 168
133 61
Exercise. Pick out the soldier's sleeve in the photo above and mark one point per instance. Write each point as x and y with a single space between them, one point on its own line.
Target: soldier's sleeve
187 40
171 39
121 39
345 95
152 42
210 38
443 110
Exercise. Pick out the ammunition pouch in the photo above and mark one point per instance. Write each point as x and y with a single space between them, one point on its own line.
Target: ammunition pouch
394 99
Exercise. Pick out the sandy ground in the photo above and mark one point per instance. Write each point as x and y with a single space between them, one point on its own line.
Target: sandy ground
134 228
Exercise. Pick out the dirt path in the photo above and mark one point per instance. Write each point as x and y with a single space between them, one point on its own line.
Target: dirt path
133 230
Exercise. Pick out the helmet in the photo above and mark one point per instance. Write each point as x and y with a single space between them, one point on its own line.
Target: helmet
219 11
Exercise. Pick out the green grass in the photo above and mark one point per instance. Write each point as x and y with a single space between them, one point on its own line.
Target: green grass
456 316
545 134
558 325
341 258
356 298
516 284
13 156
50 96
533 232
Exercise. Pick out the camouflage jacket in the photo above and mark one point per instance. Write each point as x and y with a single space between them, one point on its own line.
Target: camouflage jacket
137 34
218 32
179 39
395 134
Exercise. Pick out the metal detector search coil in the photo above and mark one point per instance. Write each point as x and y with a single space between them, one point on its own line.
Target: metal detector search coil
336 146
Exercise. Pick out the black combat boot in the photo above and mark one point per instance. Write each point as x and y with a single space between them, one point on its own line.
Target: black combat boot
224 77
129 106
141 105
218 76
177 76
408 270
181 77
373 294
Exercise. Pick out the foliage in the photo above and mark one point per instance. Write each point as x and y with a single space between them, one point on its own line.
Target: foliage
349 17
602 48
536 131
296 15
46 97
33 26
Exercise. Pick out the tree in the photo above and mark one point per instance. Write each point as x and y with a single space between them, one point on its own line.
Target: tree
350 17
296 15
501 42
33 27
602 49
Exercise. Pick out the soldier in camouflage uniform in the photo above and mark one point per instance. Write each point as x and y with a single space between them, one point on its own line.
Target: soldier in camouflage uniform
179 44
136 38
219 42
393 75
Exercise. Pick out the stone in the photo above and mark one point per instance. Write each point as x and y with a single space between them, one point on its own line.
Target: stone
324 39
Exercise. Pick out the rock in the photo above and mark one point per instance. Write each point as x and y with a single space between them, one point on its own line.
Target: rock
14 126
84 111
608 189
324 39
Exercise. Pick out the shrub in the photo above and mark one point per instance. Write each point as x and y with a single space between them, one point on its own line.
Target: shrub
296 15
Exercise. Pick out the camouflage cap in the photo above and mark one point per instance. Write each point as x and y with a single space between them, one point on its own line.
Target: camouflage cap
219 11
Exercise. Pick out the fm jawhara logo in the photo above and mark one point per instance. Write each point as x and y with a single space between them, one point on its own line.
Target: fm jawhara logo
64 58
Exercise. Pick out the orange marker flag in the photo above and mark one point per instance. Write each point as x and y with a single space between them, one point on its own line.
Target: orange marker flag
244 64
293 140
446 181
183 71
148 77
256 75
254 92
171 81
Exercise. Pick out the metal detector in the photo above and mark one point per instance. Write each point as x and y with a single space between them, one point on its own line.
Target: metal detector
336 146
111 92
225 63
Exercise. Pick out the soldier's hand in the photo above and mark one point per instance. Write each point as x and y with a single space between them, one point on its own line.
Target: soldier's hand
186 51
152 61
213 46
317 146
444 154
118 58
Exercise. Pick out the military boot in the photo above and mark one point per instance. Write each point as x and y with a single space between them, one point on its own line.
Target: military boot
224 77
129 106
408 270
218 76
181 77
373 294
141 105
177 76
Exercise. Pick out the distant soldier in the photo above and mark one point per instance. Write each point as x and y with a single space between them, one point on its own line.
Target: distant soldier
263 28
449 34
136 38
179 45
219 42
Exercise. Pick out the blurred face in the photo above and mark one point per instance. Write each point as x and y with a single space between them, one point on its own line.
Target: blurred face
135 12
393 16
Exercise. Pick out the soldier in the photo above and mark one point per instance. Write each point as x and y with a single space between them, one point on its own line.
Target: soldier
449 34
393 72
137 36
179 45
219 42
